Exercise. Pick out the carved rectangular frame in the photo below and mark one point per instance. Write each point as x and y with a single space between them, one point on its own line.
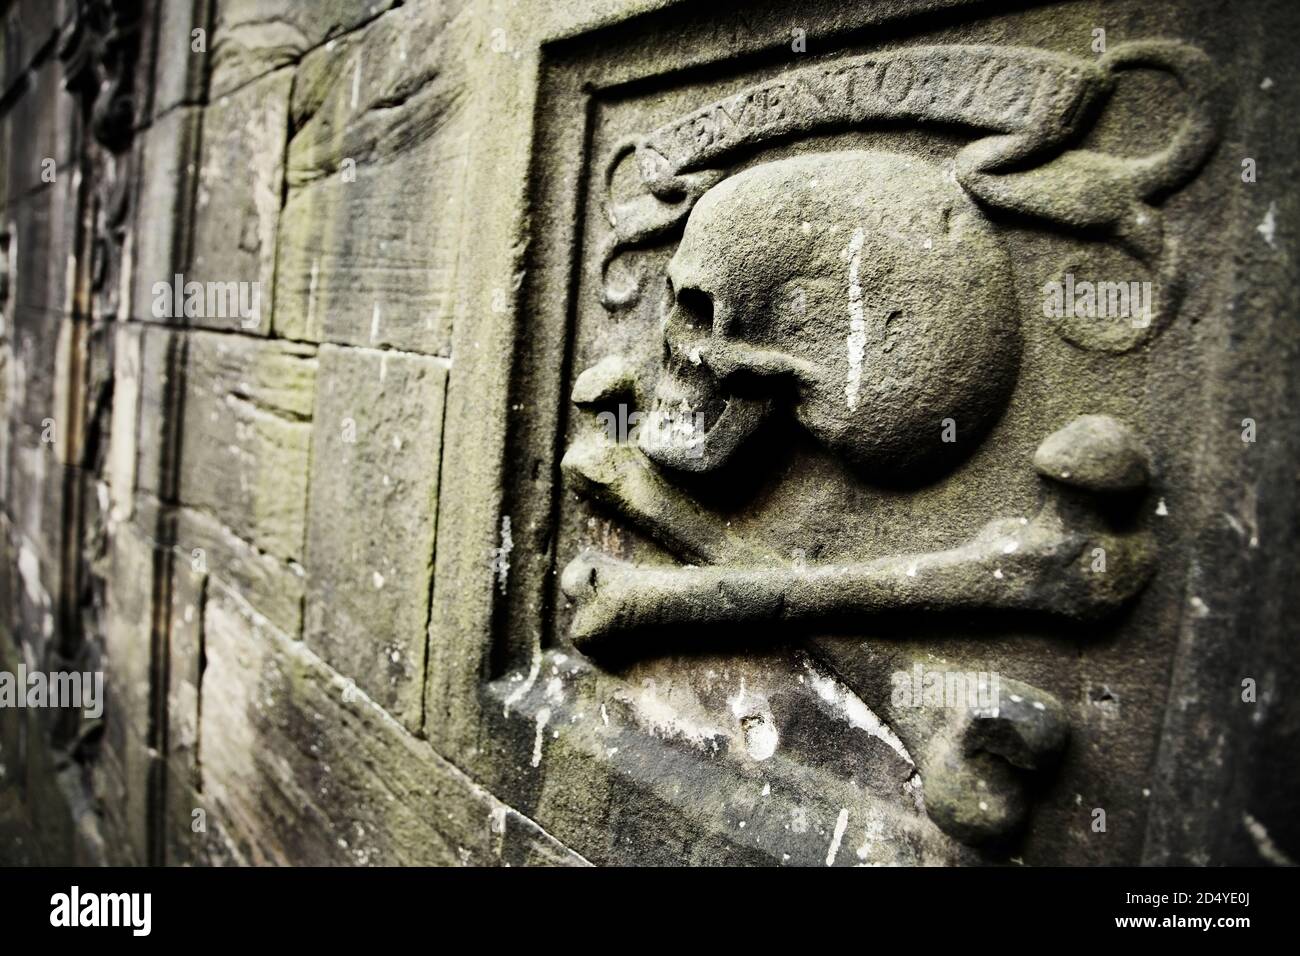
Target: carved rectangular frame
506 408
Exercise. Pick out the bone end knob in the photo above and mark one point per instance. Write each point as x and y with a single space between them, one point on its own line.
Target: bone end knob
1095 453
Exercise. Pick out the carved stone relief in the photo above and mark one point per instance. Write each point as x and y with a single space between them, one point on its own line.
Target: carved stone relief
842 328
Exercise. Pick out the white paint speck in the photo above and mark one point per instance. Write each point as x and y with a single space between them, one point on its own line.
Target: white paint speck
555 690
1264 843
543 716
1268 228
501 555
657 715
311 292
527 683
841 824
1162 509
29 569
757 725
857 339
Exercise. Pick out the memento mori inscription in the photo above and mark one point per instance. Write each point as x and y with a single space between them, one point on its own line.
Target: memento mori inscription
865 300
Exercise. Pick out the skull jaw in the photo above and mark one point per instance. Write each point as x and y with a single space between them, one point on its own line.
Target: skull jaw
670 445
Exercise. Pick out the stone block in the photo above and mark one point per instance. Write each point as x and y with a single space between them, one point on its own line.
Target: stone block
162 356
179 69
237 202
370 227
184 681
42 122
128 631
159 240
29 26
43 234
246 432
300 766
253 37
270 586
124 429
376 450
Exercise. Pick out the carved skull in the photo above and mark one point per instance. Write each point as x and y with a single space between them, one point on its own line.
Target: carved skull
863 289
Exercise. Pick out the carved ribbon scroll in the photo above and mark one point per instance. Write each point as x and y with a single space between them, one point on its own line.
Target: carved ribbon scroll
1035 102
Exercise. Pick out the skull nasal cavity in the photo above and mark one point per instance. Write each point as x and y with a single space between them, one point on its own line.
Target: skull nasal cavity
696 308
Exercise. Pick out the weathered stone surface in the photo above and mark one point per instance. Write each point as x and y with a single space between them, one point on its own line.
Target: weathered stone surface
6 385
40 127
127 656
407 572
372 518
184 685
239 192
178 68
161 381
123 449
119 785
30 25
127 662
35 507
272 586
12 757
44 230
37 419
253 37
367 241
159 241
247 430
825 419
300 766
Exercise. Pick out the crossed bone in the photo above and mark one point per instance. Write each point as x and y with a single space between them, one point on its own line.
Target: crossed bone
970 762
1043 564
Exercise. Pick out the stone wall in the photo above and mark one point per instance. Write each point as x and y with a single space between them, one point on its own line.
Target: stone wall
341 553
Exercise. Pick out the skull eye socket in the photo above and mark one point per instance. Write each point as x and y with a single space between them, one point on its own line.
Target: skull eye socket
696 308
